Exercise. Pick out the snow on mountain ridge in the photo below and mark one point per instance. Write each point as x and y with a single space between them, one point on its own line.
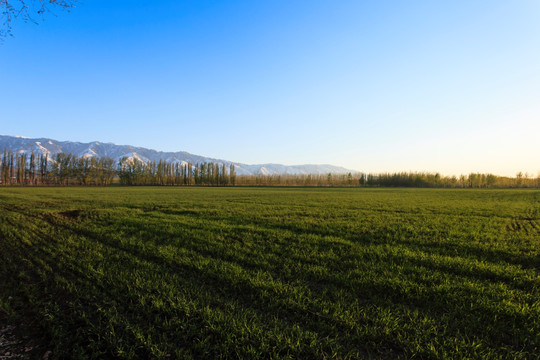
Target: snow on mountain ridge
117 152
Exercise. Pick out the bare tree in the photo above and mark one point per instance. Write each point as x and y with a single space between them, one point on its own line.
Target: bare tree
28 11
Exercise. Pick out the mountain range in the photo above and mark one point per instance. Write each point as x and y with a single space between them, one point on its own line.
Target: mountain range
52 147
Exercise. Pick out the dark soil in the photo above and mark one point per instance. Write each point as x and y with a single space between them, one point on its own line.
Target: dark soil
20 340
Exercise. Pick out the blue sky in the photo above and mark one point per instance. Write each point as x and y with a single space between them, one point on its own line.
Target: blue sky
449 86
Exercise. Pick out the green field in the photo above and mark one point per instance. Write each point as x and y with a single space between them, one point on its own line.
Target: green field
282 273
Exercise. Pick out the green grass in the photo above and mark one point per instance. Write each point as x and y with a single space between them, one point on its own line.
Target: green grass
274 273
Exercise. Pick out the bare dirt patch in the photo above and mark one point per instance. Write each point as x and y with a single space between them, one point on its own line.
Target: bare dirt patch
21 341
71 214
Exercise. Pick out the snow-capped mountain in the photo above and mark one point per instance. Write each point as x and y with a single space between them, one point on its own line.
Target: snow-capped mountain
52 147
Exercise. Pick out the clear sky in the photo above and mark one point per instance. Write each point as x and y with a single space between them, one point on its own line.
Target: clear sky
448 86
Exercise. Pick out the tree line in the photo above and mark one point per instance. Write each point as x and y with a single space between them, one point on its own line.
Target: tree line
68 169
399 179
61 169
136 172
